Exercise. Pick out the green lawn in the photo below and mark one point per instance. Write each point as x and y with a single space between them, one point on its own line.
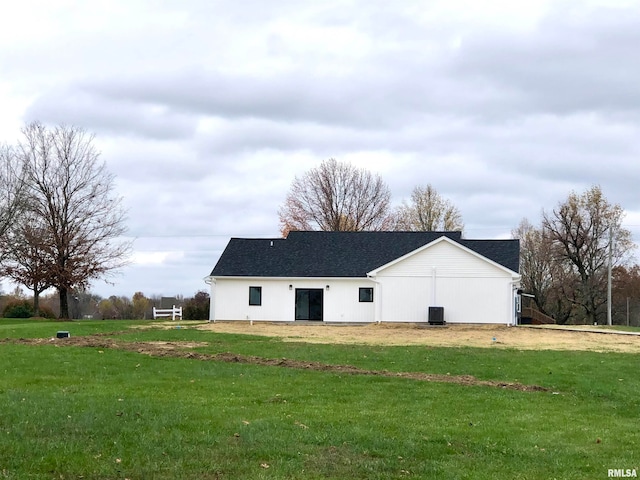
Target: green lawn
72 412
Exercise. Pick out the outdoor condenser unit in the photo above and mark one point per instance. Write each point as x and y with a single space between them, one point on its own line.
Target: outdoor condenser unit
436 315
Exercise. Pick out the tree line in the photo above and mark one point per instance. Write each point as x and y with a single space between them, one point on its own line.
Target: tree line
569 259
116 307
566 261
61 225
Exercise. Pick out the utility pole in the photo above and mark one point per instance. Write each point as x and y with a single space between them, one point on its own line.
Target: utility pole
627 311
609 275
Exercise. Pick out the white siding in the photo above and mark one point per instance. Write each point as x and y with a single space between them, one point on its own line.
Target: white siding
469 288
341 301
475 300
230 299
448 259
404 299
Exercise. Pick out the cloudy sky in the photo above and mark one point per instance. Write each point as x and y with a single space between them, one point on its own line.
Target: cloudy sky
205 110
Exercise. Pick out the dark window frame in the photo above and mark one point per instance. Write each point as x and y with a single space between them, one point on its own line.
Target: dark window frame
368 291
255 301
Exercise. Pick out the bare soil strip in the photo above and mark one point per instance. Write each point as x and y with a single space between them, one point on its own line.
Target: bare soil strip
181 350
483 336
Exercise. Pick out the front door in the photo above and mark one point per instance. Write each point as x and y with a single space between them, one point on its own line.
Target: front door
309 303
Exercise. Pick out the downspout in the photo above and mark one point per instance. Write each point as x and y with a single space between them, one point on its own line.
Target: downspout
515 285
211 281
377 300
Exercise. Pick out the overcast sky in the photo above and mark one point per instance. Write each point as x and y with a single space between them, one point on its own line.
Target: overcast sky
205 110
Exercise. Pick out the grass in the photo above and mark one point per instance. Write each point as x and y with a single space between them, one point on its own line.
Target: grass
39 328
620 328
105 414
624 328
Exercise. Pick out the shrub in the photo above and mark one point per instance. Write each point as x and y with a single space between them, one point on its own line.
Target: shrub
196 308
24 309
18 309
46 312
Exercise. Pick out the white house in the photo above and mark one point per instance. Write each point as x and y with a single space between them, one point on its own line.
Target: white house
367 277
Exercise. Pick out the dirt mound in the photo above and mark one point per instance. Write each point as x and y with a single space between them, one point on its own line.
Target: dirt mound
182 350
348 369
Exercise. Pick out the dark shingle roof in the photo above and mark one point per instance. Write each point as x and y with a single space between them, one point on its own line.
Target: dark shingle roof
341 254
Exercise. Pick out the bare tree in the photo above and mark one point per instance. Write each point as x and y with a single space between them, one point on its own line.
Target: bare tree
429 211
11 190
28 257
582 229
336 197
626 295
536 263
545 275
71 192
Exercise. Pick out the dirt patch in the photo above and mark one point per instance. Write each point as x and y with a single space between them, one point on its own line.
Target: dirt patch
99 340
348 369
182 350
487 336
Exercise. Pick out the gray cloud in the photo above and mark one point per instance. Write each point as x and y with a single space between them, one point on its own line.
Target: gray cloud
572 63
116 116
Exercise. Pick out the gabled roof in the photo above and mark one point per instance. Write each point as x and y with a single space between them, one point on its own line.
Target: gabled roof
443 239
342 254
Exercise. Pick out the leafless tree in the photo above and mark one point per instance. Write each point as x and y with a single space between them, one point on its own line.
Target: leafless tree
336 196
11 190
429 211
563 299
536 263
72 194
28 257
545 275
626 295
581 229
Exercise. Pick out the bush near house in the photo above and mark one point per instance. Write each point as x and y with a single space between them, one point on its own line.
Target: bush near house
197 308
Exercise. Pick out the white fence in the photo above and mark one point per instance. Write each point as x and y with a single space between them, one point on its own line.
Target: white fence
167 312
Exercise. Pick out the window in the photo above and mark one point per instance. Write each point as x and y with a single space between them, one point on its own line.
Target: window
366 294
255 295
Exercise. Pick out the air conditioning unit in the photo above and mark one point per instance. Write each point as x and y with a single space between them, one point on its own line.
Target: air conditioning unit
436 315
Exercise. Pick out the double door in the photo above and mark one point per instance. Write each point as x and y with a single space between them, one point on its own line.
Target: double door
309 303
